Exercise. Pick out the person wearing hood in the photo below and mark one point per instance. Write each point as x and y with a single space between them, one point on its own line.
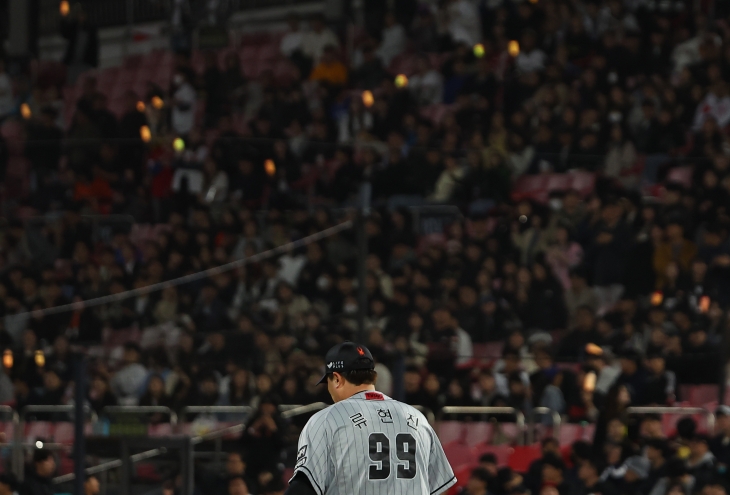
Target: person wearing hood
720 444
636 471
39 480
701 461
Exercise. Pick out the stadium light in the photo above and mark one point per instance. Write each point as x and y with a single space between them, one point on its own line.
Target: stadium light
40 358
8 358
270 167
401 81
25 111
367 98
657 297
513 48
145 133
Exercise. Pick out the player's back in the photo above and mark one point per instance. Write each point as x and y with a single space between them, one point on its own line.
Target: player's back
379 446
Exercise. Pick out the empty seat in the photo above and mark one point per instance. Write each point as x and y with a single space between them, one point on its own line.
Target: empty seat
459 453
478 432
64 433
698 395
523 455
449 431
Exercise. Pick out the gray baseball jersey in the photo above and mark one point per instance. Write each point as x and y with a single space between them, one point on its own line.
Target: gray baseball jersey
371 444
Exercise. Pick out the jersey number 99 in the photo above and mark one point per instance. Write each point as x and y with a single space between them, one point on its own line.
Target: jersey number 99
405 451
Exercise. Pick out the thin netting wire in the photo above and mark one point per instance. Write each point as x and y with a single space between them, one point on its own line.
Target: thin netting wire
193 277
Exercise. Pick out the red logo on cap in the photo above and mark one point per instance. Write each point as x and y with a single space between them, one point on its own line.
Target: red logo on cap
360 351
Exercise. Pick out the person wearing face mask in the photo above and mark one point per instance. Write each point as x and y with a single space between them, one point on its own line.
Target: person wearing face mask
183 104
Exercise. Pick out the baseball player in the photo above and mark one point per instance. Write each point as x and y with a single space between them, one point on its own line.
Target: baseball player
366 443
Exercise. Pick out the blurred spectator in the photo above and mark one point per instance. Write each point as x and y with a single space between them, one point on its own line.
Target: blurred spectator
317 39
38 480
82 50
127 382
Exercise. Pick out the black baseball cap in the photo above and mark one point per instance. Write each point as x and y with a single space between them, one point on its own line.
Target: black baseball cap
347 356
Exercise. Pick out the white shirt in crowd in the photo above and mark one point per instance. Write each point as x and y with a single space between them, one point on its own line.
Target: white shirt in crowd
428 88
393 44
533 61
291 42
464 22
183 111
313 43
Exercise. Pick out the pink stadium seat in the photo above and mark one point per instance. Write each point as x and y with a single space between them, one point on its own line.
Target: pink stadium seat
680 175
528 186
478 432
459 453
38 430
64 433
501 452
583 182
569 433
161 430
522 456
450 431
698 395
558 182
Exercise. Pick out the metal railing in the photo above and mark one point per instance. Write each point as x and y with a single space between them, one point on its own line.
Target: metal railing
296 411
676 410
214 410
63 409
141 411
479 410
538 411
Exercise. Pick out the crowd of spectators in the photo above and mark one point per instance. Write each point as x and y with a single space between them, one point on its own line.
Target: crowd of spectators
636 458
630 284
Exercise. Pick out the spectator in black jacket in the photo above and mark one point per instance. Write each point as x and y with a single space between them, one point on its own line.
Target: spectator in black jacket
39 480
82 50
720 445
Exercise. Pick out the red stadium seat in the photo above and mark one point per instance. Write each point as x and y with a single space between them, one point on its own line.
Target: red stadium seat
698 395
38 430
522 456
64 433
501 452
459 453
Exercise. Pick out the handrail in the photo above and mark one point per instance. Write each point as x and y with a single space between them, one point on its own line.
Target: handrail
296 411
557 422
675 410
105 466
489 410
141 410
215 410
212 435
430 417
65 408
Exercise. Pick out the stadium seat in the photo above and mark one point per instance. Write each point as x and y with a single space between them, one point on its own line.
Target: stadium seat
459 453
64 433
449 431
478 432
522 456
501 452
38 430
698 395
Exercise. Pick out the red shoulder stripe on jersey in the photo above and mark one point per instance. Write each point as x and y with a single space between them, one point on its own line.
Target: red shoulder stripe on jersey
374 396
